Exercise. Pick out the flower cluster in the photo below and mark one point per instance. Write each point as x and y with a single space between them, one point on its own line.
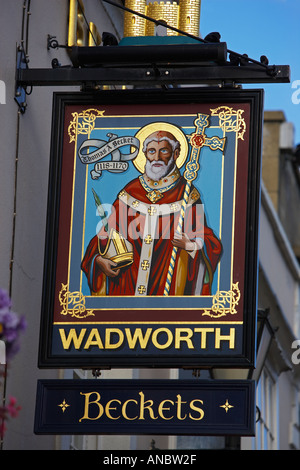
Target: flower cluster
11 325
10 410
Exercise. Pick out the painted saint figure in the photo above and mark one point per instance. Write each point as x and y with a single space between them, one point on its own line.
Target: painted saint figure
145 216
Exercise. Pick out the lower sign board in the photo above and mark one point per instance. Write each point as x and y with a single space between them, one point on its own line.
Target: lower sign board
169 407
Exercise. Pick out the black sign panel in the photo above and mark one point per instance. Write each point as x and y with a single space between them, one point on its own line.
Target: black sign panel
170 407
152 263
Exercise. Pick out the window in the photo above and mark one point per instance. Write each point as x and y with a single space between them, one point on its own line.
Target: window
266 416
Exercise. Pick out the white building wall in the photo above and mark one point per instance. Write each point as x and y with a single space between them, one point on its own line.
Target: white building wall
278 289
25 149
278 261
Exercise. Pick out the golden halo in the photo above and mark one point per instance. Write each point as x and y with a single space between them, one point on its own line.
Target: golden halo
140 160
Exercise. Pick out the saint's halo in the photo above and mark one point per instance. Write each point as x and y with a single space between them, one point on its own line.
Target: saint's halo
140 160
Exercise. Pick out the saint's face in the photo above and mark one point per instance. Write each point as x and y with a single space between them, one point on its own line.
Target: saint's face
159 153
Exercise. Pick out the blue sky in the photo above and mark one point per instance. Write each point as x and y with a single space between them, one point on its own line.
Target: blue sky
262 27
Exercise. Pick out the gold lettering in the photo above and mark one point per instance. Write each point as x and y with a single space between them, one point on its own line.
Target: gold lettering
72 337
144 405
169 340
88 403
230 338
94 339
161 338
138 337
203 332
179 403
183 334
94 410
108 408
161 408
196 408
124 411
108 333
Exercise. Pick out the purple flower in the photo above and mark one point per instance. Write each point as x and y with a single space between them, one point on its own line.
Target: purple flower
9 319
11 325
5 301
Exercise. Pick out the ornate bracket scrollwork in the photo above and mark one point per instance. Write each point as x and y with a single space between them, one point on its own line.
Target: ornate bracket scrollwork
224 302
73 303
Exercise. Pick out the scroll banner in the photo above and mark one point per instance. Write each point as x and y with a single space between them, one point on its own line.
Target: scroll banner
171 407
119 161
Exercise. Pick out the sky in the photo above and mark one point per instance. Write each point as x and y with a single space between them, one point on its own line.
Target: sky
262 27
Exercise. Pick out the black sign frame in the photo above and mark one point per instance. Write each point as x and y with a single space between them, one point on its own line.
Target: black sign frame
245 108
162 407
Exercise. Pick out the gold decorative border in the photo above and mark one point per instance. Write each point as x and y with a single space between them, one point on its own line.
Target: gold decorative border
230 120
73 303
85 126
224 302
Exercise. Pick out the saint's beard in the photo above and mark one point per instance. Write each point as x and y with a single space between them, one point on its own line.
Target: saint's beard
156 173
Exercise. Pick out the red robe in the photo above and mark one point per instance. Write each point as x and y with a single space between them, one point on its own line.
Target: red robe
130 222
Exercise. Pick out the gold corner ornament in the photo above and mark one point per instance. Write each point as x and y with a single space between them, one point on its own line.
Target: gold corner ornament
224 302
226 406
230 120
73 303
83 123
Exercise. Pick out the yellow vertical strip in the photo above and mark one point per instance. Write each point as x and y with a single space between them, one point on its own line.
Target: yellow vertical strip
72 209
233 206
84 219
76 28
72 36
221 210
94 35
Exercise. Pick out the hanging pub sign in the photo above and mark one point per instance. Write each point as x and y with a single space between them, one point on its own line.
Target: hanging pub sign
151 247
197 407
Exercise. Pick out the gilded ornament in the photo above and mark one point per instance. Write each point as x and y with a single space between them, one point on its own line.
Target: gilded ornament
230 120
224 302
226 406
183 15
73 303
64 405
83 123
